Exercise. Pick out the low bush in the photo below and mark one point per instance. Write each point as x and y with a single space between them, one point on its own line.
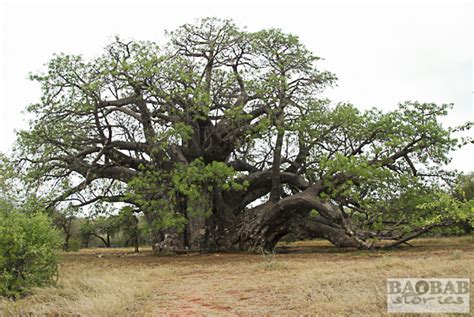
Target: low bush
74 245
28 251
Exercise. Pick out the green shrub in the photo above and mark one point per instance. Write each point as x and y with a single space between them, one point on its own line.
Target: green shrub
28 252
74 245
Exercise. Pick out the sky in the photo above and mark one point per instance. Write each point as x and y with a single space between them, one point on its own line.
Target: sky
382 52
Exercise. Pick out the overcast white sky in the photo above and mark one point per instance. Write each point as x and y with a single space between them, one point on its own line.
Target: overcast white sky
383 53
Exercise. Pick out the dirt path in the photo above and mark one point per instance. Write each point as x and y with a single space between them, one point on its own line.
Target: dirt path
222 287
189 296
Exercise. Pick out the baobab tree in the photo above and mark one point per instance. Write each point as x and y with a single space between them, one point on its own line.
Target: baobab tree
221 137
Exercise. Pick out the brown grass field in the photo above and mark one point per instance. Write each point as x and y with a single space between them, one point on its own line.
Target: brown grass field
309 278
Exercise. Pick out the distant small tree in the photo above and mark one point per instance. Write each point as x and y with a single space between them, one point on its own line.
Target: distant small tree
85 232
129 224
103 228
64 220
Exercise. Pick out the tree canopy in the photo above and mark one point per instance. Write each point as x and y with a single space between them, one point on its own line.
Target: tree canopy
222 138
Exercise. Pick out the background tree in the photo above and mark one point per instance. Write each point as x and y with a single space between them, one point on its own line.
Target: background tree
86 232
101 227
464 192
222 139
130 226
105 227
64 220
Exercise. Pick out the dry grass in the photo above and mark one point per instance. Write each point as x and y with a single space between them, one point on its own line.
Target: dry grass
92 283
319 280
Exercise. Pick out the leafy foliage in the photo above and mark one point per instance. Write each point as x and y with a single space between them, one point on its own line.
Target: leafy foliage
130 225
28 247
28 241
162 190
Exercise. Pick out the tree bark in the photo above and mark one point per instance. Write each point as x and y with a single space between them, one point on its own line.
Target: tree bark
105 241
201 233
276 182
136 243
259 228
66 242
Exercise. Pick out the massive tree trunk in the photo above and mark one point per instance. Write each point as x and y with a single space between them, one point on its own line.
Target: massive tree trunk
262 227
201 232
259 228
